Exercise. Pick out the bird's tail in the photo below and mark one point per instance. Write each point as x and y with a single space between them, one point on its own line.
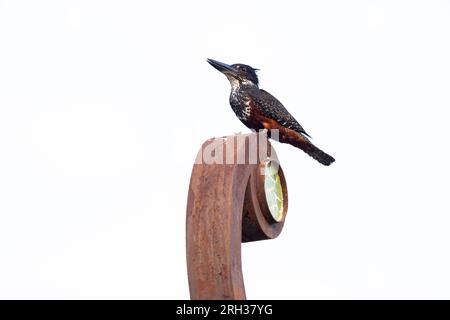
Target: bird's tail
303 143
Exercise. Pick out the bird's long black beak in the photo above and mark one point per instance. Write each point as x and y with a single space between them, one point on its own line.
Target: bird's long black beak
223 67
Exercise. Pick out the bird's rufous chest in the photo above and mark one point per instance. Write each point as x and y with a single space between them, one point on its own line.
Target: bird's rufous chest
245 110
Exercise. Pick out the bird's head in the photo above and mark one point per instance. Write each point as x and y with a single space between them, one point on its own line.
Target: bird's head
237 74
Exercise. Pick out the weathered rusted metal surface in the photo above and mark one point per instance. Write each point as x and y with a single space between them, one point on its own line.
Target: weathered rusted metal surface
257 222
226 206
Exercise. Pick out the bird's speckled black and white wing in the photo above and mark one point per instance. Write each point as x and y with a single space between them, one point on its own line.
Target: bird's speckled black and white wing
270 107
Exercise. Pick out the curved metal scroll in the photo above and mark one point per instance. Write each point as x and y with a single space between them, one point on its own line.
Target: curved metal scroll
226 206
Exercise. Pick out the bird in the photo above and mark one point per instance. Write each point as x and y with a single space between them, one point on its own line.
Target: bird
259 110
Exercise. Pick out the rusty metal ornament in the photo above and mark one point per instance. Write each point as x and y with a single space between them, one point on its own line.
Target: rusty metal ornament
229 204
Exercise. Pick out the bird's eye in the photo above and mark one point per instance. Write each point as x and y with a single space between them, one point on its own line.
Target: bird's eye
243 69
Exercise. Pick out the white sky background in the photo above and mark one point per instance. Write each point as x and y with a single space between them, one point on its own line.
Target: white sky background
104 104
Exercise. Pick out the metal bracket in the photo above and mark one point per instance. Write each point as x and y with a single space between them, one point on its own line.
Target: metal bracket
228 204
